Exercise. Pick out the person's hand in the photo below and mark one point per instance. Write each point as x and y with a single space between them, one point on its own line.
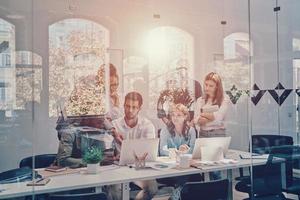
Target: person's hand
208 116
184 148
191 123
117 136
202 121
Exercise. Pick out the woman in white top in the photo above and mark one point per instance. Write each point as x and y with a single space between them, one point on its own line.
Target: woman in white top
211 109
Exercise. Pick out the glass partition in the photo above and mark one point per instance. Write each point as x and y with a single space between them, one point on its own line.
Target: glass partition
66 67
275 116
20 91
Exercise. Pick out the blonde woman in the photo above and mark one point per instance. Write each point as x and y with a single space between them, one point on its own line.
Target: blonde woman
178 134
211 109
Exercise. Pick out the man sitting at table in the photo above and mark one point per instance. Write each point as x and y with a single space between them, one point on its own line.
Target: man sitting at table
133 126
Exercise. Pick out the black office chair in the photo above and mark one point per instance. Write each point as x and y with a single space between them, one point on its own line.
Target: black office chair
41 161
17 175
82 196
212 190
268 182
262 144
291 156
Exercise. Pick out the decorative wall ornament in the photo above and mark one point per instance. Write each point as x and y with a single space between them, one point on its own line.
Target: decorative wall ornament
234 94
298 92
256 98
280 99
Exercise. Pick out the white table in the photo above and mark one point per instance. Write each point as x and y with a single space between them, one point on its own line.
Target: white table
122 175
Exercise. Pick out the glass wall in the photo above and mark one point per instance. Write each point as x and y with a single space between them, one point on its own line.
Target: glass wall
55 72
275 97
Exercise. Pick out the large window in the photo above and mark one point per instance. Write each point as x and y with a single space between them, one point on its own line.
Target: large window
233 64
77 49
7 66
28 78
170 53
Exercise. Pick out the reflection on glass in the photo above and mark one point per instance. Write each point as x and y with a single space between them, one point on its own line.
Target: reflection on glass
28 78
296 85
296 44
234 66
7 67
170 53
77 48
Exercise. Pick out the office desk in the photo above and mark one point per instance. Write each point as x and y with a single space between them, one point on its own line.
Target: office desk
122 175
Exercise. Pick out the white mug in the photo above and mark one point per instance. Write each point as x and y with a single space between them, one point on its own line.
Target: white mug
184 160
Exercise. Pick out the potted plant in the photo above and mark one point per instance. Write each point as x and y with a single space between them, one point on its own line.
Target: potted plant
92 158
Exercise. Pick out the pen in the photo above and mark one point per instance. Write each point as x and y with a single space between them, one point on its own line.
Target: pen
40 180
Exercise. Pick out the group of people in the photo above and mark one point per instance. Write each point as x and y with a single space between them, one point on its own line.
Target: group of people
180 132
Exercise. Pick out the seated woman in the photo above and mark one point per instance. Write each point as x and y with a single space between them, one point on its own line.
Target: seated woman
178 134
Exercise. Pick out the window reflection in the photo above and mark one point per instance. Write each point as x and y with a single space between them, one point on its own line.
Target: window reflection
233 64
28 78
170 53
7 67
77 48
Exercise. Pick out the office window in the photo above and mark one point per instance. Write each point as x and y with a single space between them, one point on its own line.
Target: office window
2 94
170 52
296 44
7 65
28 78
77 48
233 64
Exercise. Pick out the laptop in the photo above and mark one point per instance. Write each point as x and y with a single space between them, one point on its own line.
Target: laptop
139 147
222 142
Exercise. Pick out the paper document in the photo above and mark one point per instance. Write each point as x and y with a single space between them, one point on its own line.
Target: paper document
254 156
160 165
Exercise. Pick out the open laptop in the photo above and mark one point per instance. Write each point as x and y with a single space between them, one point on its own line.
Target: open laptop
222 142
139 146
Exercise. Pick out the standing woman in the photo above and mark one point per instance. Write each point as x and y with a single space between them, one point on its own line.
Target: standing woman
211 109
115 110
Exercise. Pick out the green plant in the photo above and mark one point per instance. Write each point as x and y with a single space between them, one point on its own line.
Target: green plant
93 155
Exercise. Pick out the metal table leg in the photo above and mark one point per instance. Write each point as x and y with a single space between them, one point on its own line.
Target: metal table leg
125 191
230 192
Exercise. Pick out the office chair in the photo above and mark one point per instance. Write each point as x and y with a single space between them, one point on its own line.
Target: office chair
17 175
212 190
82 196
291 156
40 161
269 184
262 144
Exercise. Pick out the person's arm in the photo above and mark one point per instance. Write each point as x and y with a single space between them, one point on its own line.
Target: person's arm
220 114
117 135
198 107
64 156
163 142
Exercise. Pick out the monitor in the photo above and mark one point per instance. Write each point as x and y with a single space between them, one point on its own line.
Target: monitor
139 147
